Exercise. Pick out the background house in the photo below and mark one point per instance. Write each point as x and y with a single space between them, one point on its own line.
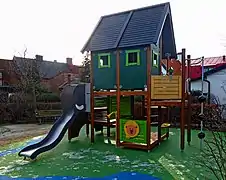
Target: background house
209 63
217 79
53 74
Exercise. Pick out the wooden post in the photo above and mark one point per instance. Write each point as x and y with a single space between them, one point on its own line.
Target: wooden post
159 123
132 106
91 99
118 97
148 96
189 102
143 105
182 102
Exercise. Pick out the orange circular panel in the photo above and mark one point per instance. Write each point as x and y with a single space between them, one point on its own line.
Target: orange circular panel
131 129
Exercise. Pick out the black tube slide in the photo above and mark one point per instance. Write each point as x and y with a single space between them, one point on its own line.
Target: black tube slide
53 138
75 101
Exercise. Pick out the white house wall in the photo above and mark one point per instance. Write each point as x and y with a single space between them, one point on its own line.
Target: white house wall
217 85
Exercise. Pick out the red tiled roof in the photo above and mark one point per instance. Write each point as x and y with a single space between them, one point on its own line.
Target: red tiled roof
196 69
214 62
210 61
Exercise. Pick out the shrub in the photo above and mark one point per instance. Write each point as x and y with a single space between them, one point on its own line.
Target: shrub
48 97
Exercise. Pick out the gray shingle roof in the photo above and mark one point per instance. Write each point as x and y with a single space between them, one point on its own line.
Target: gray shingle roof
131 28
47 69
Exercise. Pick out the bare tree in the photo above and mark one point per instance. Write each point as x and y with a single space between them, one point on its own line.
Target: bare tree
85 76
27 73
213 154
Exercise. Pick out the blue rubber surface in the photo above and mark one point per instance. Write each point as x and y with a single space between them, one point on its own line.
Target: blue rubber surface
15 150
119 176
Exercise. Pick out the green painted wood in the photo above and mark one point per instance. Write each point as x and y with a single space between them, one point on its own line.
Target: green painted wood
124 104
133 76
104 77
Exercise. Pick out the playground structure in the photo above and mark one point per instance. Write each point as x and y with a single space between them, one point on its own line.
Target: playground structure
132 68
123 69
162 91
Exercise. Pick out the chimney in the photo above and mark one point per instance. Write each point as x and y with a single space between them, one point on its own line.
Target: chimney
223 57
39 58
69 61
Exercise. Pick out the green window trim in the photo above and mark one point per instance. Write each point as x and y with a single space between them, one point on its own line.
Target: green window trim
138 57
109 60
154 64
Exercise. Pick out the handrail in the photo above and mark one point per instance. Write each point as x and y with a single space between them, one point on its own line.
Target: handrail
109 115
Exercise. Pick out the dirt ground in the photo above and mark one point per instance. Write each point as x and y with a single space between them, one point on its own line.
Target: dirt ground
18 132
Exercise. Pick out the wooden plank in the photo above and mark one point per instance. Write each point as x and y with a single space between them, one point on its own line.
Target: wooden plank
168 85
165 82
166 88
168 91
160 77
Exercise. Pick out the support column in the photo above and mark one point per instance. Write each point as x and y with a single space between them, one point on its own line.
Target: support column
148 96
118 97
189 102
182 102
91 99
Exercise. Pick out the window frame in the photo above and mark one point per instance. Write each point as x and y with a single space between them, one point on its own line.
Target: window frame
138 57
156 64
109 60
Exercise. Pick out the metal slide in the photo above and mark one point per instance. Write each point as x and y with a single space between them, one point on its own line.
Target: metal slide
76 100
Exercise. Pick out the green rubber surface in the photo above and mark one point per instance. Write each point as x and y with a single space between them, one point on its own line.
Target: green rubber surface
81 158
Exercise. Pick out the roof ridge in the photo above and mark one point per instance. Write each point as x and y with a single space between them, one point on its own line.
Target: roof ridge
42 60
137 9
161 25
123 28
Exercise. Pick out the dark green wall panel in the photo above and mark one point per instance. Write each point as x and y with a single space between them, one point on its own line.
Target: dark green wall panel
104 78
133 77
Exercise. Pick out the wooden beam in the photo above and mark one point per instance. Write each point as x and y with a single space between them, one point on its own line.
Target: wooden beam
92 98
182 128
148 61
104 93
166 103
134 146
133 93
118 97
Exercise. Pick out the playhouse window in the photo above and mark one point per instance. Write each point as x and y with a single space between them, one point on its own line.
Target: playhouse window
155 60
104 60
132 57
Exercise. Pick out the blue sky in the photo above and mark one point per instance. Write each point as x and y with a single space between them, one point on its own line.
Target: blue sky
58 29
